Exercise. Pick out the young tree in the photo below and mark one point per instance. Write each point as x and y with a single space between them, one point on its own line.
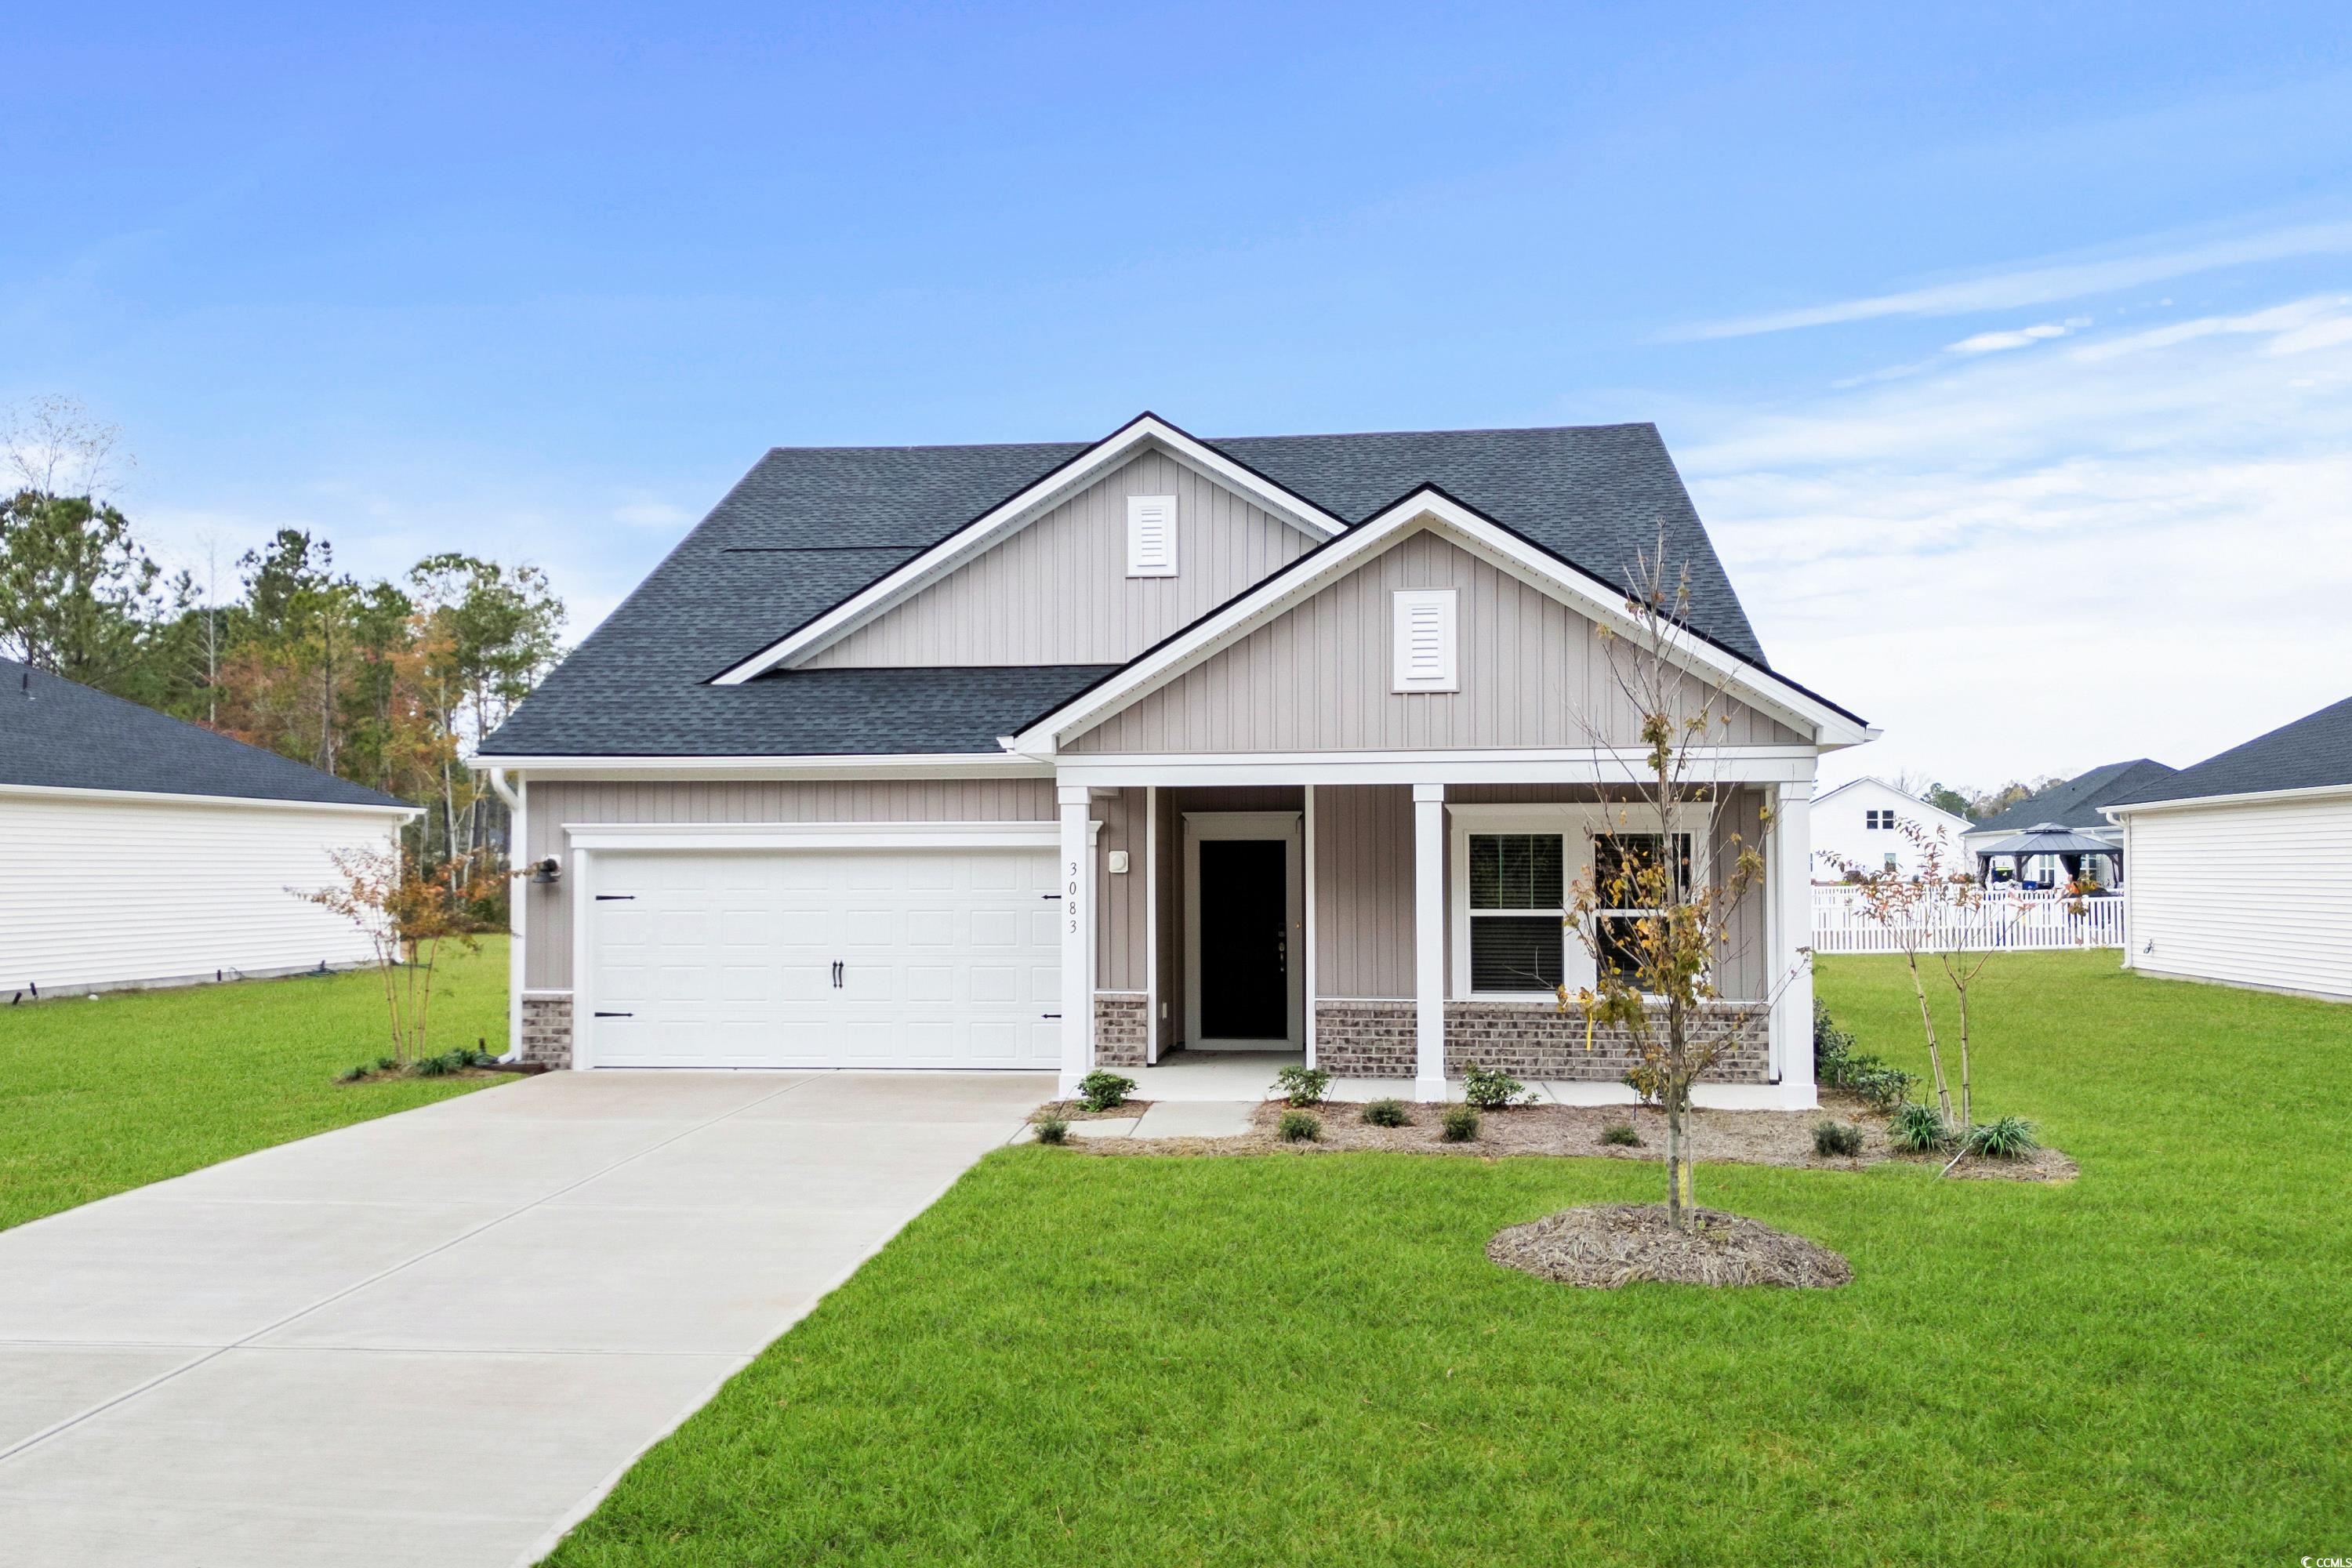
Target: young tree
1941 909
407 913
1660 934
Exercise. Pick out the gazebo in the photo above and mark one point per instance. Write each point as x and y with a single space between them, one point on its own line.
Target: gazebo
2070 847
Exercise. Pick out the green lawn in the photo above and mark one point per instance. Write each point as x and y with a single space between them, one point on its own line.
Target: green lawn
99 1096
1309 1359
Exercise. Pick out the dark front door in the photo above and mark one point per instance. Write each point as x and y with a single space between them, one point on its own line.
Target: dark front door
1245 939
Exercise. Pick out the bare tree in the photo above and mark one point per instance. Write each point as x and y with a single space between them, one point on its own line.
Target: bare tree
1657 910
55 447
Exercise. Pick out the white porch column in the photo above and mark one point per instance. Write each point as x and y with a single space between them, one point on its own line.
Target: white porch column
1078 875
1788 877
1429 941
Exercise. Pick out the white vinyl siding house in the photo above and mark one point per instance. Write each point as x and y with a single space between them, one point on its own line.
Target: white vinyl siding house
2254 892
2241 865
1862 823
107 889
139 850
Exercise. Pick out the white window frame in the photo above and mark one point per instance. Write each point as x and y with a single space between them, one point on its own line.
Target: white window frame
1405 603
1577 822
1141 562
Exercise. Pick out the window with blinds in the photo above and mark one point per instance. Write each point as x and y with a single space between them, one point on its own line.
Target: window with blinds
1425 640
1151 536
1518 888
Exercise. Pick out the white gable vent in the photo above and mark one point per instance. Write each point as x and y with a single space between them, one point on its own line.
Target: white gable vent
1425 641
1151 536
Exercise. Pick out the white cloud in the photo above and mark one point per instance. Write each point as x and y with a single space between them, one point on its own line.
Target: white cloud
2022 338
650 512
2035 564
2045 283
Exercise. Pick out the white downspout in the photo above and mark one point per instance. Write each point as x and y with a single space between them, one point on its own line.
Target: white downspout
517 905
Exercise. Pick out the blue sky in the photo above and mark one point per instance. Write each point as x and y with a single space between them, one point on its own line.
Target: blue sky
2008 352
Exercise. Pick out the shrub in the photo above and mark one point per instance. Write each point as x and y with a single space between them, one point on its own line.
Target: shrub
1302 1084
2003 1139
1647 1081
1918 1129
1052 1130
1490 1090
434 1067
1388 1113
1836 1139
1622 1134
386 1064
1100 1090
352 1075
1459 1124
1297 1127
1837 1065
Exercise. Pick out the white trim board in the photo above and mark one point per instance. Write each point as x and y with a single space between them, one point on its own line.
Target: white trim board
1431 510
1145 432
2190 802
170 797
1265 825
910 765
1714 765
657 835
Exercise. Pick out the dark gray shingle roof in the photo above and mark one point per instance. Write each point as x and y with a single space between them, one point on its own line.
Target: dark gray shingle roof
60 735
809 526
2077 803
2313 753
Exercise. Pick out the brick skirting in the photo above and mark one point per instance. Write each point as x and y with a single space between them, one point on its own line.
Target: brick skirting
1364 1039
1529 1040
1119 1018
547 1030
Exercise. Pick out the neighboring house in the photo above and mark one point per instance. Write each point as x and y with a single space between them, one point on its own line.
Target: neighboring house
2242 866
1059 756
1862 823
2080 804
139 850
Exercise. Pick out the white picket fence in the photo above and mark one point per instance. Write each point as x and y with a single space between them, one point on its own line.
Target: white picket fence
2019 921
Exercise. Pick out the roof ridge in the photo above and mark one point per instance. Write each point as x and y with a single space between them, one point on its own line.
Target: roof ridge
1217 440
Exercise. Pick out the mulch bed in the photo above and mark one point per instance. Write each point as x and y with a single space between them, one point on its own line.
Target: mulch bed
1071 1110
1717 1137
1604 1246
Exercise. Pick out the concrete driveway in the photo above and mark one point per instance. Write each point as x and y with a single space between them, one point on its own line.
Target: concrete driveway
439 1337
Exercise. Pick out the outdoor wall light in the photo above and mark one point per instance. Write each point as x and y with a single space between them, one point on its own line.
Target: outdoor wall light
545 874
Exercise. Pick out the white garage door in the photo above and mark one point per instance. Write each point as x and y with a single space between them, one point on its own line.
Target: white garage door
852 958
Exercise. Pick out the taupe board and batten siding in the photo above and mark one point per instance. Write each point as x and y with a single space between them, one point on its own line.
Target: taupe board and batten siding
553 803
1318 677
1057 592
1363 890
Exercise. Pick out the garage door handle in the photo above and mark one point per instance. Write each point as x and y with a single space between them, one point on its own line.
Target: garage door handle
837 974
616 898
1049 1014
616 1015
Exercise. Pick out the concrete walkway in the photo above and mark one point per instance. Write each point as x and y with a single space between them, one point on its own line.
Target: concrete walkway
438 1338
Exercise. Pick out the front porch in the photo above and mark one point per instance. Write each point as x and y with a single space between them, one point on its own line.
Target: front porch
1394 933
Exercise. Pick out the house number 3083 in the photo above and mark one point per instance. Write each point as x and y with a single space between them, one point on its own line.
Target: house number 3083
1074 895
